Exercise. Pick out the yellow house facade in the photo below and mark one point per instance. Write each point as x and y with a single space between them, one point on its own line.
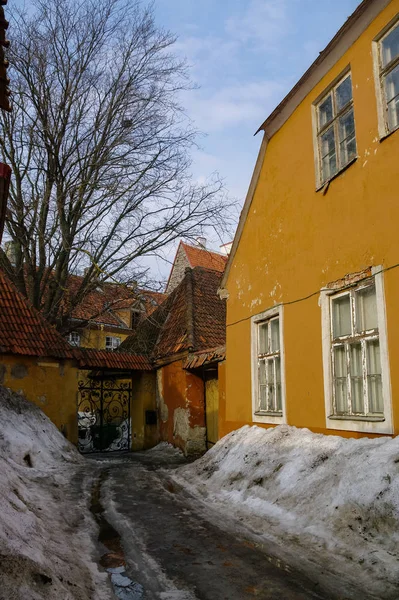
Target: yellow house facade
313 278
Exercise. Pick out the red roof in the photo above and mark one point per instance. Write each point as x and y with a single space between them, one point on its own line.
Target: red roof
23 330
201 257
104 359
198 359
102 304
193 318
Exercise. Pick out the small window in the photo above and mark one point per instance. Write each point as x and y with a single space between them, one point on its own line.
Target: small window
269 367
355 353
336 138
389 76
111 342
74 338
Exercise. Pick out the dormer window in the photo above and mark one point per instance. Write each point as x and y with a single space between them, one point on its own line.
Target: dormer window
336 139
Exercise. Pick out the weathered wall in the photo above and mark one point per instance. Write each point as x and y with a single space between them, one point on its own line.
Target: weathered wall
181 409
296 240
49 383
143 398
178 269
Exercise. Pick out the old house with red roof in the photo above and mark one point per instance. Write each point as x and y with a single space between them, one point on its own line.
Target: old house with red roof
37 361
195 256
184 338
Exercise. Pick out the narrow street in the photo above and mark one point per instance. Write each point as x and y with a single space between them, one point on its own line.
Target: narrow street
173 553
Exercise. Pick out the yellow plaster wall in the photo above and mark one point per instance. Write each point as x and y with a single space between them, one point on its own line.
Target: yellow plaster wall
296 240
143 398
49 383
95 338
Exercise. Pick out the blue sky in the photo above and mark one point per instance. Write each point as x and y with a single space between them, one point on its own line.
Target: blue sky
244 55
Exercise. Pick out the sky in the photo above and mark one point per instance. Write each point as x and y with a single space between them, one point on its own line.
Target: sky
244 57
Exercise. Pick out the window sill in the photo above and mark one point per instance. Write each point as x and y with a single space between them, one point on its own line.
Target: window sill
388 134
361 424
269 418
323 187
264 413
366 418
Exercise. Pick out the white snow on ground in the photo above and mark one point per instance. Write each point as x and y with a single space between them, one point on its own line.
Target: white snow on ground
164 450
45 544
329 503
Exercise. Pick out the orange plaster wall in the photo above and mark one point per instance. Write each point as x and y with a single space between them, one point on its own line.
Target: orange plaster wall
181 406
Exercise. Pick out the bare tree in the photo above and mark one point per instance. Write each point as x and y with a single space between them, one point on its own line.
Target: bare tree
99 147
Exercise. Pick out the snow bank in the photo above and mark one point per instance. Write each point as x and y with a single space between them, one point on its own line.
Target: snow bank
330 501
45 544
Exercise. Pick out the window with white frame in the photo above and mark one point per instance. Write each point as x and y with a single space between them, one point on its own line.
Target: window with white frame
112 342
355 353
269 396
74 338
336 137
388 59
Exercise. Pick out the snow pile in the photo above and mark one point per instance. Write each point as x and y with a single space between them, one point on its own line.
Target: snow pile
325 500
45 544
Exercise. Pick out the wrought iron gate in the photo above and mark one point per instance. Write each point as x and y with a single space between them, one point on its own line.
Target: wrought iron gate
104 416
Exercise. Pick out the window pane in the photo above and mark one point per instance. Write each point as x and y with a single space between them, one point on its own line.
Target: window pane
263 339
275 335
341 316
374 381
328 153
270 384
343 93
390 46
356 370
347 137
325 111
392 95
340 380
279 402
366 309
262 385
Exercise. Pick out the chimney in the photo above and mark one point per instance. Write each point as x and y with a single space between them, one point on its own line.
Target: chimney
201 241
226 248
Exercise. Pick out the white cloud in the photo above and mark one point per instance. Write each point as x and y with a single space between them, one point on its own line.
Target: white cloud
247 103
262 24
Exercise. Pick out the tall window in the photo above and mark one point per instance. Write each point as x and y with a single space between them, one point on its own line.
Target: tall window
355 353
269 396
389 75
336 137
112 342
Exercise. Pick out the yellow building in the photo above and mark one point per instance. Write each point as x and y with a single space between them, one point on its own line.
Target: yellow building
313 279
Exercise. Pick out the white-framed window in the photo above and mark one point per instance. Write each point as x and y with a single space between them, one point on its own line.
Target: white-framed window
355 355
268 385
74 338
386 61
335 129
112 342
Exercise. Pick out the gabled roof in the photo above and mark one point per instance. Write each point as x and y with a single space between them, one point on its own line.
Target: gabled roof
202 257
23 330
193 318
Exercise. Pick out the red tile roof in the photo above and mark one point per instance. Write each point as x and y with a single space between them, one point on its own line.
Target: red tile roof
193 318
104 359
102 304
23 330
198 359
201 257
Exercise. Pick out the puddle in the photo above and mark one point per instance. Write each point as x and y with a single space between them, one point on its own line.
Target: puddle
113 560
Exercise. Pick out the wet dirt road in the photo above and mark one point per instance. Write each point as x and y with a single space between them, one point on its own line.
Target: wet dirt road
169 552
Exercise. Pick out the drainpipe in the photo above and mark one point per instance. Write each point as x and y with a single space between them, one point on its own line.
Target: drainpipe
189 308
